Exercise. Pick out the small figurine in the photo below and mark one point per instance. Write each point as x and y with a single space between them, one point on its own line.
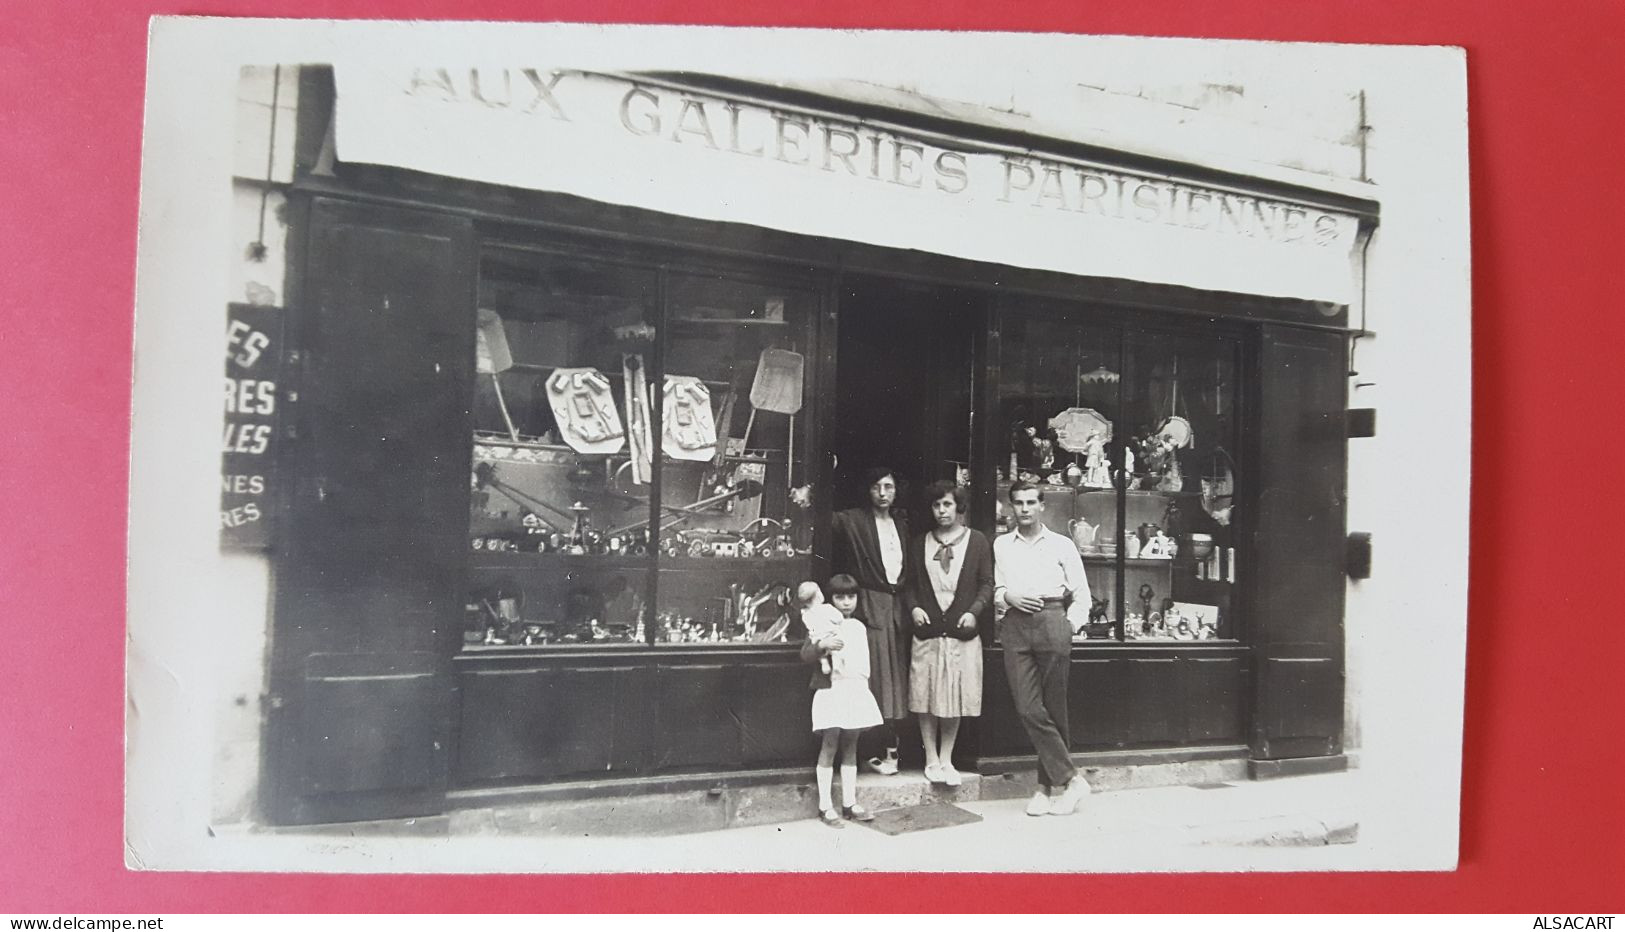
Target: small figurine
1172 480
1165 546
578 533
1096 473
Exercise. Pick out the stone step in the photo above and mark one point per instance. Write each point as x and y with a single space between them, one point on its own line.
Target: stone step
792 797
701 810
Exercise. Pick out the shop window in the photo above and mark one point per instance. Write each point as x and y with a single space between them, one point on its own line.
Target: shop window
735 525
558 531
636 467
1058 401
1179 411
1131 439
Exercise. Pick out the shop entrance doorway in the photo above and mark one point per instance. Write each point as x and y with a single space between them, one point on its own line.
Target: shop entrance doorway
905 366
906 371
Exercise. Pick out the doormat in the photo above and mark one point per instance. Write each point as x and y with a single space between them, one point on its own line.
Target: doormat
920 818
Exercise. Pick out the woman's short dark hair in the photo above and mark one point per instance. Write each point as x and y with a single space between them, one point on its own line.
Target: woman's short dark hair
876 473
1022 486
842 584
943 487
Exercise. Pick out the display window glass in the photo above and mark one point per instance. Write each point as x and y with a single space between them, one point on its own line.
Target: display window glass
1180 461
735 525
635 460
1132 439
559 546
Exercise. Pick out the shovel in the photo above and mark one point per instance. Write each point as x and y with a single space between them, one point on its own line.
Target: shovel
777 386
492 357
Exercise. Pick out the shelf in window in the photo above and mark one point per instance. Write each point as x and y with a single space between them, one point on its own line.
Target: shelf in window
727 322
556 562
723 564
1131 561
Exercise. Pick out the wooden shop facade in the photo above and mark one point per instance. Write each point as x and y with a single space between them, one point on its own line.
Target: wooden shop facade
576 367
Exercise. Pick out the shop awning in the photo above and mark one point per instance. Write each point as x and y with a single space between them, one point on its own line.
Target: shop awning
647 142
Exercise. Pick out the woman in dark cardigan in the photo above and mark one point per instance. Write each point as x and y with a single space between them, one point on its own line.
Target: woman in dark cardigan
868 544
949 576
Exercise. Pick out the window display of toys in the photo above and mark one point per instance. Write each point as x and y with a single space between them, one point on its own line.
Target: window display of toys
743 616
725 545
1200 622
498 544
495 615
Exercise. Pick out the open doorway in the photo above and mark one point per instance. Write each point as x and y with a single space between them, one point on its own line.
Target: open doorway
905 380
905 368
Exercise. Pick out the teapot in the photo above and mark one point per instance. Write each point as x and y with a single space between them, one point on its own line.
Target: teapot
1083 534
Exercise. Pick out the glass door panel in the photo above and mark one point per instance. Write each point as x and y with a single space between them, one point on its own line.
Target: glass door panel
1180 414
1055 412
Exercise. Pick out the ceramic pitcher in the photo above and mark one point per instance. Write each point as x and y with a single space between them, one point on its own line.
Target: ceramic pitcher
1083 534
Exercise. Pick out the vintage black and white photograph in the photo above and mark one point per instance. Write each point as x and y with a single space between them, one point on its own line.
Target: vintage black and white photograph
676 449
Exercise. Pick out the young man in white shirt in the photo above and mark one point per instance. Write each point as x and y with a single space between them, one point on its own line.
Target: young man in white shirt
1040 593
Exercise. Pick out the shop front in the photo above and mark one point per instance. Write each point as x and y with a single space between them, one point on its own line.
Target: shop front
578 366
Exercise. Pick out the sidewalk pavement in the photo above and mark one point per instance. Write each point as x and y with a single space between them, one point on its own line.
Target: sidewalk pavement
1111 830
1295 823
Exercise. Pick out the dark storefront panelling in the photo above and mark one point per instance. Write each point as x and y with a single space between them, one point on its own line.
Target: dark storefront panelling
538 724
1216 699
1181 698
1297 615
367 589
537 719
775 714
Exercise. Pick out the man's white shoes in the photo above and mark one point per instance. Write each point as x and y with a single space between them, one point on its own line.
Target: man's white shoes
1066 802
1040 803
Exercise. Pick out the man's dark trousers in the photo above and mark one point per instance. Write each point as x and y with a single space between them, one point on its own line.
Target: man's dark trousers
1037 657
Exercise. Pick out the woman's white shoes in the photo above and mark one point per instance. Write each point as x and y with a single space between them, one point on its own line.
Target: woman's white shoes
950 776
885 766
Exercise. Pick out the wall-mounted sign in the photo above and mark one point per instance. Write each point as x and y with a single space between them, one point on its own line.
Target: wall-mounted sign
624 141
253 401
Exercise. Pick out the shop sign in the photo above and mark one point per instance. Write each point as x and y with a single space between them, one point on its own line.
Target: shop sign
621 141
252 397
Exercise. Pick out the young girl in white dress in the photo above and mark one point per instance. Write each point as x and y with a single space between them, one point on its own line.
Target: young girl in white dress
842 706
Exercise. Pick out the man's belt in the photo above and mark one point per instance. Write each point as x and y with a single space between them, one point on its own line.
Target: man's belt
1060 603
